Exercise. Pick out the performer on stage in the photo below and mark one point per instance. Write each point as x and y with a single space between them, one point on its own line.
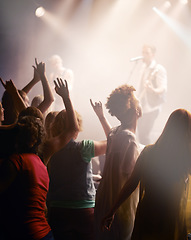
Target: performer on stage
152 92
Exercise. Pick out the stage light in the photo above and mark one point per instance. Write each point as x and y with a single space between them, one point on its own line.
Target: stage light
167 4
40 11
184 2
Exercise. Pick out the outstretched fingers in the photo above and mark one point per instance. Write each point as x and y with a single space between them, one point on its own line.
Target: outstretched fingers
36 62
3 83
92 103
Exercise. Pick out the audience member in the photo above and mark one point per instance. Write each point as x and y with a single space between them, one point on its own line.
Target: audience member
152 93
24 184
71 197
48 122
162 169
9 99
121 155
68 117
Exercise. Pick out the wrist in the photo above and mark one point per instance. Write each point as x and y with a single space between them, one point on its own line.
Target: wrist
101 117
66 99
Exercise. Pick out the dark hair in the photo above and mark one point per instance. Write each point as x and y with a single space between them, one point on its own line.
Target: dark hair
174 143
10 113
30 134
31 111
118 99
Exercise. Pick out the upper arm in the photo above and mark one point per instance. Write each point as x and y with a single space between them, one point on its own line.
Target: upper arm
100 147
43 106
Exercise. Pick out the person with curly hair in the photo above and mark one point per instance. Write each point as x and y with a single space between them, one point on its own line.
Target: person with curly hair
24 184
24 179
121 155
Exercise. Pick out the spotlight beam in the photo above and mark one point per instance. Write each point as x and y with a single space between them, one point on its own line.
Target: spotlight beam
181 31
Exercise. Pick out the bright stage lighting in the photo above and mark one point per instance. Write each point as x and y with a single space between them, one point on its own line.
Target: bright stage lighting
184 2
181 31
40 11
167 4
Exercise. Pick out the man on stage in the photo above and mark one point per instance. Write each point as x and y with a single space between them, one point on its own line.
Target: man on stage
152 92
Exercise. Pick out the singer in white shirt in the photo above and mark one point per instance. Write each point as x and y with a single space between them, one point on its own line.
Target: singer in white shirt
152 92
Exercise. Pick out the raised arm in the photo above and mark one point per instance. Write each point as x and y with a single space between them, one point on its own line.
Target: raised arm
100 146
17 99
61 89
98 109
36 79
48 96
58 142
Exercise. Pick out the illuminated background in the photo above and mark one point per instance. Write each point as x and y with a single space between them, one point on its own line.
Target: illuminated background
97 39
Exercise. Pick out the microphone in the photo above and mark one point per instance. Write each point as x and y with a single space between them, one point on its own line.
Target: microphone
136 58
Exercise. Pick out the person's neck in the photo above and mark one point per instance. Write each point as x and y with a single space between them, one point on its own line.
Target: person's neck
131 127
149 62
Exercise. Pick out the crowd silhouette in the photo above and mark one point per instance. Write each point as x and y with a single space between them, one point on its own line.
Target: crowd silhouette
47 189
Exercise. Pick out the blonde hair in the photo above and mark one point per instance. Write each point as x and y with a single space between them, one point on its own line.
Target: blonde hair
60 123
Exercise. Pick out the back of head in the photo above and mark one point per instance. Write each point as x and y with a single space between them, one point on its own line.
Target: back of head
48 122
60 123
122 100
31 111
30 134
174 142
177 129
10 114
36 101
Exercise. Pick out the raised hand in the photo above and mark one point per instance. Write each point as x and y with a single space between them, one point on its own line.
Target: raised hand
61 88
97 107
9 86
39 70
3 83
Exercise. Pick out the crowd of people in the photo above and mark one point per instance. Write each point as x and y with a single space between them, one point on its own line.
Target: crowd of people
47 189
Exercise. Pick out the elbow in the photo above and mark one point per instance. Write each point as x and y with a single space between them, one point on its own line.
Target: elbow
51 99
